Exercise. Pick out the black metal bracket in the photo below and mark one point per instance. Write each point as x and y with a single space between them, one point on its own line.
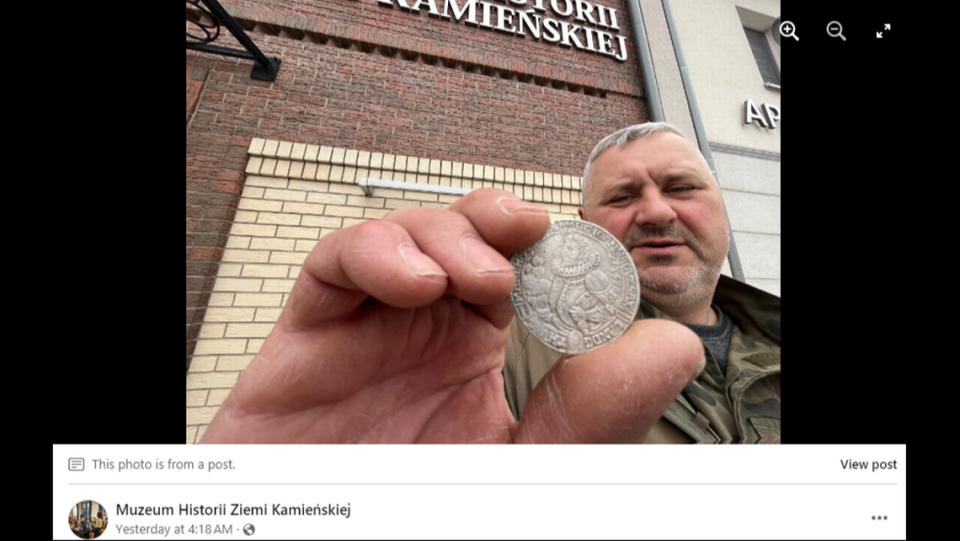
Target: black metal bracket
264 68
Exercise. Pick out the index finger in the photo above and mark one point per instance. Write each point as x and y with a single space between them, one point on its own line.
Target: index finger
496 213
400 259
473 240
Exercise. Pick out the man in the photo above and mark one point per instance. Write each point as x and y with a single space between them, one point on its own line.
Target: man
395 331
652 189
99 523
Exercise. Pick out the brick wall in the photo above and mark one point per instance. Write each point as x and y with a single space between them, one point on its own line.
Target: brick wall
355 75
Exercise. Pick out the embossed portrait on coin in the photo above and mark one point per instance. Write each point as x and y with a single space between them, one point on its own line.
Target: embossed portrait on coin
571 290
581 291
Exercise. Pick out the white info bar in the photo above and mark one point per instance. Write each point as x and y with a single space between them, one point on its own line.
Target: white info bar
472 492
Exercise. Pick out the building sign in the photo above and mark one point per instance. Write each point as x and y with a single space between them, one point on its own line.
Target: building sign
596 34
767 119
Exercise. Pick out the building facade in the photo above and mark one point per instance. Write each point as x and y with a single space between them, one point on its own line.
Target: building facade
727 79
388 104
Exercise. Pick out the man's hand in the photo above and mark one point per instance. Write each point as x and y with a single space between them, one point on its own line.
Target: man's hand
395 330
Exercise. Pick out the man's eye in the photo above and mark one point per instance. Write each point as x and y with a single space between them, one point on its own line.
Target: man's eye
620 199
680 189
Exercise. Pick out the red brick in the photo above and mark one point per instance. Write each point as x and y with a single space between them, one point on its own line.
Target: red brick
391 121
201 174
223 86
214 199
235 176
285 107
202 161
228 187
219 213
204 254
193 95
251 101
193 330
237 120
317 101
199 185
203 136
268 94
195 315
210 239
194 299
199 283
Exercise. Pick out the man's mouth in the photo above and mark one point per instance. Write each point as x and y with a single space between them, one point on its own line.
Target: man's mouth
659 246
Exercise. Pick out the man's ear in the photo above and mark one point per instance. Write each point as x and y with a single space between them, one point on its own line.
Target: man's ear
582 213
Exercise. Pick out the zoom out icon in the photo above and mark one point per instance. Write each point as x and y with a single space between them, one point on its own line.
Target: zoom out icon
835 30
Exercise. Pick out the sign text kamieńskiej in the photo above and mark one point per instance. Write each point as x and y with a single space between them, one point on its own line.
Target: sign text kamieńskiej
523 22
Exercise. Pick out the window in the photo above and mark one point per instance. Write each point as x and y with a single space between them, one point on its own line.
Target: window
763 56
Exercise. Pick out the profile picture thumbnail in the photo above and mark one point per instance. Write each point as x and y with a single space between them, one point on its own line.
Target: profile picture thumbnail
88 519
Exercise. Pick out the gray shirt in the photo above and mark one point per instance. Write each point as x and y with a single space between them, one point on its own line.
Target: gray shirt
717 337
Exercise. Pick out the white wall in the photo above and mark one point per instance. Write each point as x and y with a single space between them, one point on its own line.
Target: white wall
722 68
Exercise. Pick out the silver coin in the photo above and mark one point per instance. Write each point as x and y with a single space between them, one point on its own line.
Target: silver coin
577 287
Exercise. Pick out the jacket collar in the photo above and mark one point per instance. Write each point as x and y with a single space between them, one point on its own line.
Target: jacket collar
756 311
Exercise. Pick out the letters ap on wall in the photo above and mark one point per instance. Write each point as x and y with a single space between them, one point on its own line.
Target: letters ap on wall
767 119
520 21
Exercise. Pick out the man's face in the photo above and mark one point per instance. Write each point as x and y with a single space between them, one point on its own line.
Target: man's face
658 197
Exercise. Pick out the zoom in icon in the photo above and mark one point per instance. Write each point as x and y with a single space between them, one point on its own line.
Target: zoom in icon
788 30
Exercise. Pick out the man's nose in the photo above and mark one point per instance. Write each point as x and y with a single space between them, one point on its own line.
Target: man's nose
655 210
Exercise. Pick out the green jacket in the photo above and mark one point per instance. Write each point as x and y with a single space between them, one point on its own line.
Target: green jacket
742 407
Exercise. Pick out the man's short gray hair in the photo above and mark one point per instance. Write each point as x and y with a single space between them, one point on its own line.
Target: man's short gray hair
621 138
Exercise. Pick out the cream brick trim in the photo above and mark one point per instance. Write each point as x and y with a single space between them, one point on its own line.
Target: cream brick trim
285 160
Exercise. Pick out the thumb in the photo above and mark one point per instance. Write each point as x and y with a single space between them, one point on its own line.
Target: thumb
615 393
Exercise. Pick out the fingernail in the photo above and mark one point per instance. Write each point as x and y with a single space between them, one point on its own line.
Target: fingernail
512 205
418 263
482 256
